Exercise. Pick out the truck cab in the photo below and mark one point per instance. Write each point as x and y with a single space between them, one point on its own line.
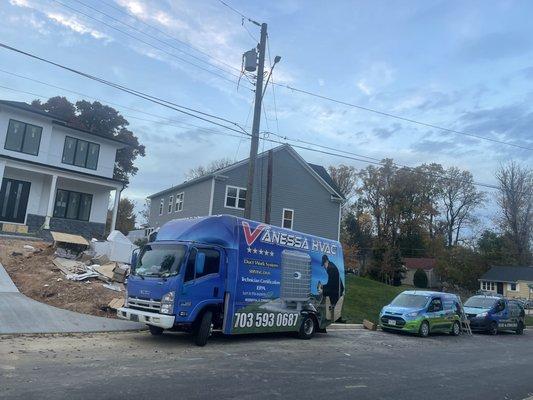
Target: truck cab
493 314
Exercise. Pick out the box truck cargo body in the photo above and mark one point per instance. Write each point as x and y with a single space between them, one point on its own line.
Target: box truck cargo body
235 275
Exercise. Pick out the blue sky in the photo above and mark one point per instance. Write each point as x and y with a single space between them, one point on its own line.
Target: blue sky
463 65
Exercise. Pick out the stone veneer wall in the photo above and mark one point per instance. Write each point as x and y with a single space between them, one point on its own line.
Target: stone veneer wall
86 229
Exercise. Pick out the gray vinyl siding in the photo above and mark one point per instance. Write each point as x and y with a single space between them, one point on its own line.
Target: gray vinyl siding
195 203
293 187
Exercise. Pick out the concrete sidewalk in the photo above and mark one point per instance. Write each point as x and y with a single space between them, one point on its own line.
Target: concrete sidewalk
20 314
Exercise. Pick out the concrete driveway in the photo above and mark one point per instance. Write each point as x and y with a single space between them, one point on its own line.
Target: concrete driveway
20 314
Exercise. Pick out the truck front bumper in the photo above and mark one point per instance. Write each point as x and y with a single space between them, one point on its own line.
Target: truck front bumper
160 320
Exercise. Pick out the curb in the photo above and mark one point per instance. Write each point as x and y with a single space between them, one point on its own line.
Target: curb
343 327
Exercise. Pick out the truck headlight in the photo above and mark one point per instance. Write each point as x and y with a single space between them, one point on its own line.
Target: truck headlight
482 315
167 303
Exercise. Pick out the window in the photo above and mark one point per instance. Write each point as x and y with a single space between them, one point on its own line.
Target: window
211 265
178 206
161 206
288 218
24 138
513 287
436 305
80 153
490 286
73 205
170 203
235 197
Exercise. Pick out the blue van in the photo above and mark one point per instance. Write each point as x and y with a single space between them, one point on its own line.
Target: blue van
237 276
422 312
492 314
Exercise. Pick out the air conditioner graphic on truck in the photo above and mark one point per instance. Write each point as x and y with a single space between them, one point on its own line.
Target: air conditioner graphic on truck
235 275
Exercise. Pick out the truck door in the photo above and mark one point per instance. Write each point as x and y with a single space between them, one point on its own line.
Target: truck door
502 313
203 281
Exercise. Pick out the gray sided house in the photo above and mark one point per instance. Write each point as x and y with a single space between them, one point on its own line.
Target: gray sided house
303 196
54 176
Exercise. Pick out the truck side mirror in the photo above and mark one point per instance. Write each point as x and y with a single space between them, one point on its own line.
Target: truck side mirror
199 263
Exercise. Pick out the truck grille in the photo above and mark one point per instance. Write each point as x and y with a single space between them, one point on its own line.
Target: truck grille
400 322
144 304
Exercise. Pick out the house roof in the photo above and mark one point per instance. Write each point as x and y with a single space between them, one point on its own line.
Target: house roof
317 171
424 263
508 274
57 120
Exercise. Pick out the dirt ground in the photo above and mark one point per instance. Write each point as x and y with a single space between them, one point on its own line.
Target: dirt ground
37 277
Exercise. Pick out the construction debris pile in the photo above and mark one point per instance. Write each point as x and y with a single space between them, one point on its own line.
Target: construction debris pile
106 261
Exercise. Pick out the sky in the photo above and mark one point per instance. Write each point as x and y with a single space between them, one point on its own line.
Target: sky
465 66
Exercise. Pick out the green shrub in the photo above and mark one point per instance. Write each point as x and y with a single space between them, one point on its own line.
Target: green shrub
420 279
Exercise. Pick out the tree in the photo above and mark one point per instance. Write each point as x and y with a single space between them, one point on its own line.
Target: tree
516 214
420 279
125 216
211 167
345 177
104 120
144 214
460 198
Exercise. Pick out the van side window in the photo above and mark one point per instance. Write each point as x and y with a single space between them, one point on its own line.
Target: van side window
211 265
436 304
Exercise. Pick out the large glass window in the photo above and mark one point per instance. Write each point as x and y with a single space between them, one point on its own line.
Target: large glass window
235 197
288 218
178 206
80 153
22 137
211 264
159 260
73 205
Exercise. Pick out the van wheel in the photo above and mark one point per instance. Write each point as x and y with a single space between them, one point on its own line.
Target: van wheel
155 330
456 329
203 331
424 329
493 328
520 328
308 328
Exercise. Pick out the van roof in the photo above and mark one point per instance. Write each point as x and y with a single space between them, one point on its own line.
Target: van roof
429 293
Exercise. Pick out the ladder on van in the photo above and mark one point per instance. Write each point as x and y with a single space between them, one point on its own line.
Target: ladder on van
465 322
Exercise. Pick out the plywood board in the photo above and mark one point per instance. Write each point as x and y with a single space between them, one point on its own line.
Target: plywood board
68 238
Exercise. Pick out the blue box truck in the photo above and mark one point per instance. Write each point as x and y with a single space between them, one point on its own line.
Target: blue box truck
237 276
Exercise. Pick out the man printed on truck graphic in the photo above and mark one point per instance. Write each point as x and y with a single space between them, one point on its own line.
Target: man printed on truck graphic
334 289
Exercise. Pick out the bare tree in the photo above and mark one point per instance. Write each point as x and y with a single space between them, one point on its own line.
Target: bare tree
459 197
211 167
516 202
345 177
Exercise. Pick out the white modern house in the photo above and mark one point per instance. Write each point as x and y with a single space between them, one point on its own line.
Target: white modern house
54 176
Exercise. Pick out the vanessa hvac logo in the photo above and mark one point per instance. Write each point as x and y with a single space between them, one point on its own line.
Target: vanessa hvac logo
249 235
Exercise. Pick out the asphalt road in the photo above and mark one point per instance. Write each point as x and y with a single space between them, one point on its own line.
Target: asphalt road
338 365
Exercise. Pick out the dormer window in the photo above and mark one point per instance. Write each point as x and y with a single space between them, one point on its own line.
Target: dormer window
22 137
80 153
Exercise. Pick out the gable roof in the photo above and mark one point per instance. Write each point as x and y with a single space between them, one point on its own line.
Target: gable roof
508 274
424 263
316 171
57 120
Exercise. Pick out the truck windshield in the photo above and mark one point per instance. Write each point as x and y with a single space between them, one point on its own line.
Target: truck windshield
479 302
160 260
410 301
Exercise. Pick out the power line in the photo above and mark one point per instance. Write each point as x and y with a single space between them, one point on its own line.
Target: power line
154 99
147 43
238 12
153 37
386 114
168 35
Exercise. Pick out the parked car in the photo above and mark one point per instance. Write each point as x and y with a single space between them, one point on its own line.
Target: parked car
422 312
493 314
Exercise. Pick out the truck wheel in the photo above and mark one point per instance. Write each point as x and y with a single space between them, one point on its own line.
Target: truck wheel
308 328
493 328
204 329
456 329
520 328
424 329
155 330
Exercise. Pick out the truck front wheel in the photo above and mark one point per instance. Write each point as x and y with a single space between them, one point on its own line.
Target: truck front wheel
204 329
308 328
155 330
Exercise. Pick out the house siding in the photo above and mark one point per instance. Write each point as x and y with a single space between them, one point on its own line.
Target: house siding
195 203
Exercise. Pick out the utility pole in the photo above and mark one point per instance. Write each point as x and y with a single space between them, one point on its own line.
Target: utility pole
256 122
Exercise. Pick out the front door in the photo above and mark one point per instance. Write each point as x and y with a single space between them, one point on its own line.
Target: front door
14 200
499 287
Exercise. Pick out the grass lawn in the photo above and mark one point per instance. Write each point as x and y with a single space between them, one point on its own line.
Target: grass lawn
529 320
365 298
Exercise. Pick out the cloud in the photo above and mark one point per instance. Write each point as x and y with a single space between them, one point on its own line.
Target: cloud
496 45
20 3
376 77
75 25
385 133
